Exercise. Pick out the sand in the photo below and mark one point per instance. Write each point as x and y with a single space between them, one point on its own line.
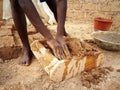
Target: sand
16 77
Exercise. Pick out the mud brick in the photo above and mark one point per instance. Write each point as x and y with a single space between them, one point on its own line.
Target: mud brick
111 6
8 50
31 29
89 1
9 23
7 27
1 22
36 36
7 41
59 70
89 7
5 32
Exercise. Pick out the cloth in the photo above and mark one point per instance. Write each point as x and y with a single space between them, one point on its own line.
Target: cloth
6 10
42 8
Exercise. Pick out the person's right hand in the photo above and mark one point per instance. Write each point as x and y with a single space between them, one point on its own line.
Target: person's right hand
57 48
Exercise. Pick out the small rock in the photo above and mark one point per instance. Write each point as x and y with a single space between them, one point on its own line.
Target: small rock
95 73
95 81
86 84
102 70
89 77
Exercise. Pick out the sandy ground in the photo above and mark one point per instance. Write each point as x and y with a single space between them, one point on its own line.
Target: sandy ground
33 77
16 77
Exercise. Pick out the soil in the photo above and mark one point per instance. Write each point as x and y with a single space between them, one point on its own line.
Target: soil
33 77
76 47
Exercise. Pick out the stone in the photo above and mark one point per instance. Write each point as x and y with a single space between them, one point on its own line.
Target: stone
86 84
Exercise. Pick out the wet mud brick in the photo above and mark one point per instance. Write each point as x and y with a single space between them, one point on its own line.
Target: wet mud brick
5 32
7 27
8 50
59 70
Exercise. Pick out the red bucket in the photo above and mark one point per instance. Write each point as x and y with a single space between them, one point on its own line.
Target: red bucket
102 24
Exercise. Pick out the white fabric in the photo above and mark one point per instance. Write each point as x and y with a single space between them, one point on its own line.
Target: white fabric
49 13
42 9
6 10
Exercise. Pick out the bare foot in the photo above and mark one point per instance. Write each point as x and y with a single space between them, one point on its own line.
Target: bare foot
26 58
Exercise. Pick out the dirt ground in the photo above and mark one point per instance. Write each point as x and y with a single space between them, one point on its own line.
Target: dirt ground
33 77
16 77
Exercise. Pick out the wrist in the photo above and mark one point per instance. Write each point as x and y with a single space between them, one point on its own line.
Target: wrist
49 38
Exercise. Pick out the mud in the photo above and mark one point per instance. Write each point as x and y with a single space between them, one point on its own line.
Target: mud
15 77
95 76
81 48
77 48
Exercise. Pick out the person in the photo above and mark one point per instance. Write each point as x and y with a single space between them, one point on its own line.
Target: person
42 8
20 8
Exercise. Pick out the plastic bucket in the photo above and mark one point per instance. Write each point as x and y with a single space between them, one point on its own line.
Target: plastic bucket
102 24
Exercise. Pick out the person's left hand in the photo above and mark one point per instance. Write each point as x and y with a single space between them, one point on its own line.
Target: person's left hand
62 42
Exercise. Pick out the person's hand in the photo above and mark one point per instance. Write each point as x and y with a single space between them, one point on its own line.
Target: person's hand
57 48
62 42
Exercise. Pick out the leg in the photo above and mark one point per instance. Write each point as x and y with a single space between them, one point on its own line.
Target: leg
59 8
20 23
61 15
31 12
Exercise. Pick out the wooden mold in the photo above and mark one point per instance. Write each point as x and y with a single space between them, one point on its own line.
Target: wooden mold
59 70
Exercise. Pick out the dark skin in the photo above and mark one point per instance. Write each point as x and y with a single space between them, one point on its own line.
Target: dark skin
58 45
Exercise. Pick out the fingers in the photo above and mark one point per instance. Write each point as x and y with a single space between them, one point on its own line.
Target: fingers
58 52
61 53
66 51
